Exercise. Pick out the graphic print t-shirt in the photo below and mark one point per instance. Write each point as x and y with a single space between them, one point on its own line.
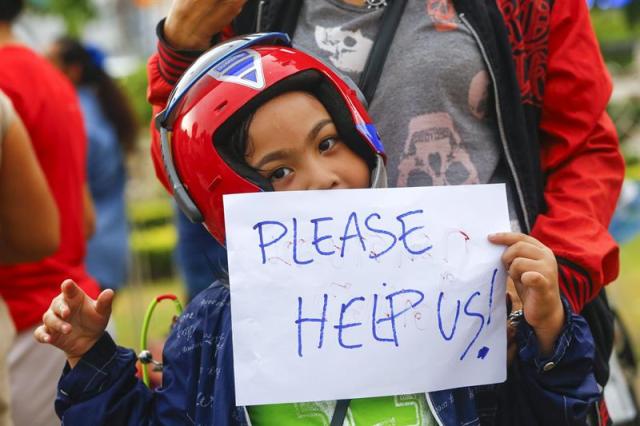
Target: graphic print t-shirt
433 105
401 410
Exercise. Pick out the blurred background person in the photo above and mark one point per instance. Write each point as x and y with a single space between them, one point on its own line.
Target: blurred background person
29 221
45 101
201 260
111 129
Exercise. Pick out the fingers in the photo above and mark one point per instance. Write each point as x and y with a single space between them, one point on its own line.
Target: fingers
70 289
41 334
104 302
53 323
72 298
513 297
524 249
44 335
526 254
510 238
533 279
519 266
60 308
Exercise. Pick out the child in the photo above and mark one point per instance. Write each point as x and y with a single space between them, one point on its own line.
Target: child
251 115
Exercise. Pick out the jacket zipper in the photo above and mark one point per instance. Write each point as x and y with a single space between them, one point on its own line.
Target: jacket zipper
259 16
503 138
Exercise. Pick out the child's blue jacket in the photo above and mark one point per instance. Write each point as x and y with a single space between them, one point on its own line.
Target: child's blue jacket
198 383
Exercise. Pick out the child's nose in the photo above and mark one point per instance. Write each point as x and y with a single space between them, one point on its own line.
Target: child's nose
323 178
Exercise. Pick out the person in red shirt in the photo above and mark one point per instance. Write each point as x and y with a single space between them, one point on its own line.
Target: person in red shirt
46 102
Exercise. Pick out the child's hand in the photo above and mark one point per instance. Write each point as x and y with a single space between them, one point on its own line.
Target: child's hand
74 322
514 301
532 267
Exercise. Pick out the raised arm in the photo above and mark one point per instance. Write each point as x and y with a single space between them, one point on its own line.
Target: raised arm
183 36
99 383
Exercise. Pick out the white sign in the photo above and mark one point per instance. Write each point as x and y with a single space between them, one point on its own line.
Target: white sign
361 293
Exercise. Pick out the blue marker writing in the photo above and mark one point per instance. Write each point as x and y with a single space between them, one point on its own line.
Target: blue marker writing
406 233
322 320
472 314
379 231
393 315
341 326
264 245
353 217
295 245
455 321
317 240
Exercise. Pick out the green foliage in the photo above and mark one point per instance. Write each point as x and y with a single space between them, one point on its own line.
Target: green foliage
150 213
633 171
632 12
74 13
624 292
616 35
153 237
135 87
610 25
626 116
157 238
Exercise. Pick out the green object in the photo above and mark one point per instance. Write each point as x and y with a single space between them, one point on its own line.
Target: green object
402 410
74 13
145 356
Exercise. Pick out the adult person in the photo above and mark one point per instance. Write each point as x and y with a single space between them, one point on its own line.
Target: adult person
29 222
471 92
111 133
45 101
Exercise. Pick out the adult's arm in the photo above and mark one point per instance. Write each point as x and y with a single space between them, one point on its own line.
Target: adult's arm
581 157
183 36
29 220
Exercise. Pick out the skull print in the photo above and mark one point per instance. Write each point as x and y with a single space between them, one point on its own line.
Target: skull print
443 14
434 154
348 50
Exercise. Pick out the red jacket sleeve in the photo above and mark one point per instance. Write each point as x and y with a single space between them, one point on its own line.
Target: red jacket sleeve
164 69
581 157
157 94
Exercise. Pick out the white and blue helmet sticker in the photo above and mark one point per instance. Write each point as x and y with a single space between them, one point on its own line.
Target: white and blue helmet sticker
244 67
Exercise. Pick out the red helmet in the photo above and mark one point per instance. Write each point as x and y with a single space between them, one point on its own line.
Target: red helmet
218 91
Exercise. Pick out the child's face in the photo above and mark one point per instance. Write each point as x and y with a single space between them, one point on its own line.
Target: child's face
294 143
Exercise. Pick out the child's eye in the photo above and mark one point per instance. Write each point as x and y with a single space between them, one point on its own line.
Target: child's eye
280 173
327 144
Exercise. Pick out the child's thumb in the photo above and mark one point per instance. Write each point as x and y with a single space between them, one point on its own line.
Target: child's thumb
103 302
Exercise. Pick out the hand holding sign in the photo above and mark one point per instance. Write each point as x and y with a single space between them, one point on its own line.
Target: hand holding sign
365 292
533 268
